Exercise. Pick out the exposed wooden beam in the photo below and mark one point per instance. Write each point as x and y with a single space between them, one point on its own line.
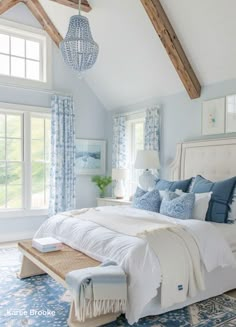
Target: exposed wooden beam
173 47
7 4
40 14
85 6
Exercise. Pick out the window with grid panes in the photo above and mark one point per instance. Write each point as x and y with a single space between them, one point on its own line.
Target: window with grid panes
24 160
24 55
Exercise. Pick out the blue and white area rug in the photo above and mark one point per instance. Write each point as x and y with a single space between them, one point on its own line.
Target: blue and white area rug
41 302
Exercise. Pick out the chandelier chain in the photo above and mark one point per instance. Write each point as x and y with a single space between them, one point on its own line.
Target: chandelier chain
79 7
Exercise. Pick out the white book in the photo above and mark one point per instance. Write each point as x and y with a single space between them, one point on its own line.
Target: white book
48 249
46 244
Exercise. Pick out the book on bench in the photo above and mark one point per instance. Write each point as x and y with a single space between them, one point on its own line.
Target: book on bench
46 244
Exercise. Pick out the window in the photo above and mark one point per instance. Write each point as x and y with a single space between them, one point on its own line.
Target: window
11 161
40 154
23 54
135 143
24 160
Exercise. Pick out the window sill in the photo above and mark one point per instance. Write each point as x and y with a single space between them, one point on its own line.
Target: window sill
17 82
24 213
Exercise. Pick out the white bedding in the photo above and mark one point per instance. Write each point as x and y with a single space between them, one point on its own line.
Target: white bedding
228 231
176 249
218 281
134 254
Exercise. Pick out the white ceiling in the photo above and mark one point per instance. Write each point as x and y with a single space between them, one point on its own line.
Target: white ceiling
133 65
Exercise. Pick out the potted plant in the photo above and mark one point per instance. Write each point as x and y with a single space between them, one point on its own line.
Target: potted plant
102 182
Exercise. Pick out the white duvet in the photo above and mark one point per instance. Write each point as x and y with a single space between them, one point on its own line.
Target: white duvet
134 254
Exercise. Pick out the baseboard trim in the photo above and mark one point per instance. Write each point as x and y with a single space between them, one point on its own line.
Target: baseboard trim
16 236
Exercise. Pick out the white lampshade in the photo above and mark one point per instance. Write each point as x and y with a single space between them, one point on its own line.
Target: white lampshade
147 159
119 174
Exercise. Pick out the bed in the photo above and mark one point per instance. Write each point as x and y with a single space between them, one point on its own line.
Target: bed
214 159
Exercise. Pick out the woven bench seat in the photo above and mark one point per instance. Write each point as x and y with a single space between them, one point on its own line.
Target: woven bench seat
57 264
60 262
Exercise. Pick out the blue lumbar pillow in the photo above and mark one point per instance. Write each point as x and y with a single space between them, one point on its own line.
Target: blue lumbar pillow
177 206
145 200
221 198
163 185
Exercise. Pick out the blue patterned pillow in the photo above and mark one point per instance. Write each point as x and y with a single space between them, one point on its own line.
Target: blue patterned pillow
178 206
150 201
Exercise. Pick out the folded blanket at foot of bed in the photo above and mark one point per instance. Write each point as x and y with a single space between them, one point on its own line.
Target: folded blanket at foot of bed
176 249
98 290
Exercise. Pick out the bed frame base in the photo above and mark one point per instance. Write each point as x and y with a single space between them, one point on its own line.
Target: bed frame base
31 267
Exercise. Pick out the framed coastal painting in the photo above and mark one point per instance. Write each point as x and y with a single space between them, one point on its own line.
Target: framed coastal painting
213 117
230 125
90 157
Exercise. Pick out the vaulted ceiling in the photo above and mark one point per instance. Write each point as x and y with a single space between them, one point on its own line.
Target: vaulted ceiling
133 65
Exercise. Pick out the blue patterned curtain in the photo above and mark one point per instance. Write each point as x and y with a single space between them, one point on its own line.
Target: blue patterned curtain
62 176
119 151
152 129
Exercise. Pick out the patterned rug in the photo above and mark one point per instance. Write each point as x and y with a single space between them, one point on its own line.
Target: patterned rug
41 302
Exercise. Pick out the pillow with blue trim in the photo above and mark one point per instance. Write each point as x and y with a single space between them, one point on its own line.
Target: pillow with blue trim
163 185
222 196
232 211
178 206
145 200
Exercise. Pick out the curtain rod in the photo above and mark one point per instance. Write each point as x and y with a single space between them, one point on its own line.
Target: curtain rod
31 89
129 113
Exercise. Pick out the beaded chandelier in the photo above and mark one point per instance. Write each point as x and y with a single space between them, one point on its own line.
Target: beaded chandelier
78 49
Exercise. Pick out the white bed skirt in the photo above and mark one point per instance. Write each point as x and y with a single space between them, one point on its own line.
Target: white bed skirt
218 282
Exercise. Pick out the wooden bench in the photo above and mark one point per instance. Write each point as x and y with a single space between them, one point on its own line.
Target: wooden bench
57 265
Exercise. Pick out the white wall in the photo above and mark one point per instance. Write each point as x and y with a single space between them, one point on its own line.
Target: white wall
180 119
90 123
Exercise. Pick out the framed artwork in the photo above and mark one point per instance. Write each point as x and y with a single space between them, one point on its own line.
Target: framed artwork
213 117
90 157
230 126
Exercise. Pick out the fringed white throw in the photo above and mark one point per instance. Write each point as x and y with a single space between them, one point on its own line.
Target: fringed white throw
98 290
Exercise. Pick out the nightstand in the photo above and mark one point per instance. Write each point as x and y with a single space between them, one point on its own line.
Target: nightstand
101 202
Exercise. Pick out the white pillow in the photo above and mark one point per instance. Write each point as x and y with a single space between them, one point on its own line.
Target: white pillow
201 204
162 193
232 211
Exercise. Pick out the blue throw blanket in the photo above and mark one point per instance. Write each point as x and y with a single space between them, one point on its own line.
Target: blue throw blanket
98 290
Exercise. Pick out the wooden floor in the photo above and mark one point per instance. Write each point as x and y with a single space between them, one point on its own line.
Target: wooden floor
232 293
14 244
8 245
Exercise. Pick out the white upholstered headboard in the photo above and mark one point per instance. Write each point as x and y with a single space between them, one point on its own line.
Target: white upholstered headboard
213 159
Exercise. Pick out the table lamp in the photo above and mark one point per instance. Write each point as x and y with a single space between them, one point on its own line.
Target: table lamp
147 159
119 175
